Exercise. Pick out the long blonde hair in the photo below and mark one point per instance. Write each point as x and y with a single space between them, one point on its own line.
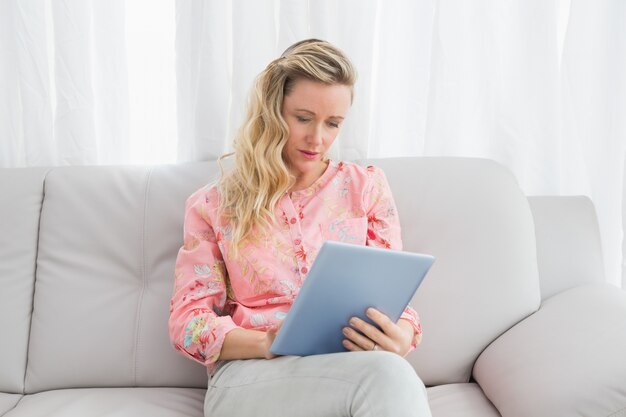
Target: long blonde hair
248 194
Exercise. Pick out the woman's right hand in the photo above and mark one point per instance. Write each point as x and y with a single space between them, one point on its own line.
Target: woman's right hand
249 344
270 335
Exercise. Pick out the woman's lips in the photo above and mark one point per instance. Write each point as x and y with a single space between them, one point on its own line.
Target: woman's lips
309 155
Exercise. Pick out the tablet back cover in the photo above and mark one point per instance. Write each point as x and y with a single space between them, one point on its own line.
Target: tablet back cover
343 282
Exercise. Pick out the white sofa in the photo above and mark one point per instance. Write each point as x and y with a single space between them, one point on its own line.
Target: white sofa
517 318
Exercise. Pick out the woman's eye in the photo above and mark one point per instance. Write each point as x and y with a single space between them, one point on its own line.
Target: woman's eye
302 119
333 124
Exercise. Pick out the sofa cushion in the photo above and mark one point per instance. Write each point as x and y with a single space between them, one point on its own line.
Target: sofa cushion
8 401
567 359
21 191
473 217
108 240
118 402
460 400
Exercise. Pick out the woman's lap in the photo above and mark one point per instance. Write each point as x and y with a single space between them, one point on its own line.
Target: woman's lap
341 384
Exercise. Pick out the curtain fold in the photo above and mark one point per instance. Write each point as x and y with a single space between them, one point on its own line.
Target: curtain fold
25 108
74 124
203 56
86 82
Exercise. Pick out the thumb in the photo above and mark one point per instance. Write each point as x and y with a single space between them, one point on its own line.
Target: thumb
276 327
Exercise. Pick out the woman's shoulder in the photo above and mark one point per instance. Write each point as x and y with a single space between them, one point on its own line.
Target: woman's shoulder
207 195
360 170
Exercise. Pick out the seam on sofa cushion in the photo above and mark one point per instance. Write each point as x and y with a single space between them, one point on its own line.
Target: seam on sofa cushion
471 375
142 268
32 299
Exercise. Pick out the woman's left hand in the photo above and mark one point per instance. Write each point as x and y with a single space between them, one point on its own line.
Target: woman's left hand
394 337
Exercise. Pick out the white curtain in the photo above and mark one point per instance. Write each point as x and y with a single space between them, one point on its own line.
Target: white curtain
86 82
538 85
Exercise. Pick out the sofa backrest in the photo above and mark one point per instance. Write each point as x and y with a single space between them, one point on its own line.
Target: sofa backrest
473 217
20 204
108 238
569 252
107 243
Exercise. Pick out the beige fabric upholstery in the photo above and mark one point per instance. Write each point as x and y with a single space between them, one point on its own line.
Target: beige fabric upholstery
118 402
21 196
568 243
568 359
471 215
460 400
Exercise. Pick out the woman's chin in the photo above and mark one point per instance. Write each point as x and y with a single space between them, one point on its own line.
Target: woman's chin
306 167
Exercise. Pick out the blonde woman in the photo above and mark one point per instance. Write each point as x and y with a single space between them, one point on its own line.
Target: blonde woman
250 239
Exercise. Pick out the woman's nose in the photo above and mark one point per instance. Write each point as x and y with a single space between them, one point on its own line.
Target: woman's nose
315 135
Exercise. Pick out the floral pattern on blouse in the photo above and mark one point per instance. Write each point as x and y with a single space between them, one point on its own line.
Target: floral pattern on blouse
216 292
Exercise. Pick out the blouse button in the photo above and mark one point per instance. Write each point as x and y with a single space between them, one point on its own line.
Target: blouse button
297 242
304 270
293 220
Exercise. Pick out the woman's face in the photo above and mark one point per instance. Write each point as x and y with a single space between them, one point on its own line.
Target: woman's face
314 113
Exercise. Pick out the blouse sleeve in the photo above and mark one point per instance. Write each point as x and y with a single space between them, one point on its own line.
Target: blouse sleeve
383 230
197 326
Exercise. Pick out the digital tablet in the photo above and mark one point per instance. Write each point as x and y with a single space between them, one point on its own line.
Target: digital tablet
343 282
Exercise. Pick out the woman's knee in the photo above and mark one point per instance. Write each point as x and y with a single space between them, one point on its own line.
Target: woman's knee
389 386
391 370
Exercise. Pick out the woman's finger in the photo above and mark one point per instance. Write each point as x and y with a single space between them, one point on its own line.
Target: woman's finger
358 339
388 327
351 346
370 335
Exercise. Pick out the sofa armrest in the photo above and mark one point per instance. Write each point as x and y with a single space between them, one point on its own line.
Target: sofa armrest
567 359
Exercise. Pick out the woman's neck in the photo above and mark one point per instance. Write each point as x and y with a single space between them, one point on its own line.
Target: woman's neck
305 180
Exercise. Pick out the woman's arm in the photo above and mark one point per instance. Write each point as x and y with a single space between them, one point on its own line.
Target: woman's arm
196 326
248 344
383 230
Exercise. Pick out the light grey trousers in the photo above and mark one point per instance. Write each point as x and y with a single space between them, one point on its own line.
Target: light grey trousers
350 384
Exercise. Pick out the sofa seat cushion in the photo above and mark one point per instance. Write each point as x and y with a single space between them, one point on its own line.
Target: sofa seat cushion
460 400
8 401
120 402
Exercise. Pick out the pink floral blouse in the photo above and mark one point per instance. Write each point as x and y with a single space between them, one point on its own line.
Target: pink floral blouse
215 293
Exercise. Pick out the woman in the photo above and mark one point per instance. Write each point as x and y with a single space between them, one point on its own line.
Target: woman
250 239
